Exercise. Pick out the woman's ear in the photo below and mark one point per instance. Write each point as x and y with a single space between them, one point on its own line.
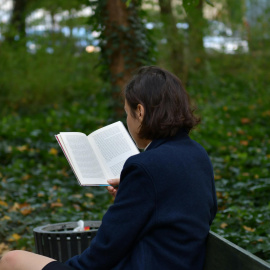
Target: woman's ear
140 112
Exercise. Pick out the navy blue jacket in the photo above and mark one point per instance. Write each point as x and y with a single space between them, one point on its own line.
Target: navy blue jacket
162 213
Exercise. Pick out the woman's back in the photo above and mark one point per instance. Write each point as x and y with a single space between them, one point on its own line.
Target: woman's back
180 180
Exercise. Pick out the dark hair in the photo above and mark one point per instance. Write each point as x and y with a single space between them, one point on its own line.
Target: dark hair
165 100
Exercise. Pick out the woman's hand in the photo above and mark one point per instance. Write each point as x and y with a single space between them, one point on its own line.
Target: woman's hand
113 186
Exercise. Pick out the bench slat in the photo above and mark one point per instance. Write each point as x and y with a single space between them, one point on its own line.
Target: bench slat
222 254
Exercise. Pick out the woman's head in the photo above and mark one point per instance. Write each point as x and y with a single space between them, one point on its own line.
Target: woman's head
164 100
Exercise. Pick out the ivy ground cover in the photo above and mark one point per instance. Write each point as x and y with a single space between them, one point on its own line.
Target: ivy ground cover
37 186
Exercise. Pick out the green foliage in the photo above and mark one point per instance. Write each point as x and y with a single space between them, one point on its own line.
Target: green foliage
37 185
235 11
64 91
132 39
55 5
235 132
31 81
190 4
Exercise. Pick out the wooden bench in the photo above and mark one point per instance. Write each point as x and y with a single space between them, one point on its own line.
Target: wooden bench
222 254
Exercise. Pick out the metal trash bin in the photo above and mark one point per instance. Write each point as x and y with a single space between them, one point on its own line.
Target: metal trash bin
60 242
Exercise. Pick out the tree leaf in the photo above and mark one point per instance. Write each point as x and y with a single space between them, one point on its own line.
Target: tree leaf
249 229
14 237
190 4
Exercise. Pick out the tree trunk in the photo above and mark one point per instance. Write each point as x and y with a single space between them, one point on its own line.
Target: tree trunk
174 40
196 28
17 21
123 49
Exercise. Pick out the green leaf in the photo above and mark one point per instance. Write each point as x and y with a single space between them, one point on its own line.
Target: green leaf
190 4
128 2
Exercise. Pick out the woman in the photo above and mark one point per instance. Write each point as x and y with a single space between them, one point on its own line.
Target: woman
166 199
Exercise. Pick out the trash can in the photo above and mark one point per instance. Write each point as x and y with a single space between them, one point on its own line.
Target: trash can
60 242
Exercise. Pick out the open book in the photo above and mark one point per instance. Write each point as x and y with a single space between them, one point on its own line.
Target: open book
99 156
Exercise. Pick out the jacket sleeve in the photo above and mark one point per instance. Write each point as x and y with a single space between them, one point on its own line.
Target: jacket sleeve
124 223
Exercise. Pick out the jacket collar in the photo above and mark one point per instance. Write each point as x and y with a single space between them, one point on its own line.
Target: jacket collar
157 142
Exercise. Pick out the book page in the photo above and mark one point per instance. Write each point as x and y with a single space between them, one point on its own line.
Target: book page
115 146
83 158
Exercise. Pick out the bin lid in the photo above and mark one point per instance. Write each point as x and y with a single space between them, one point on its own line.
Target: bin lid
66 227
